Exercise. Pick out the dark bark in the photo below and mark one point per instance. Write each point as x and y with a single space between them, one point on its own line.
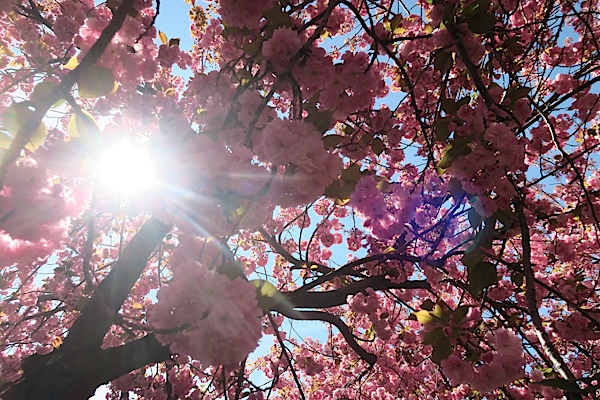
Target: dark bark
334 298
89 329
77 375
76 369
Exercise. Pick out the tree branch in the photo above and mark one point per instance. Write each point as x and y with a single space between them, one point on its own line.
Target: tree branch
333 298
558 363
41 108
89 329
348 268
339 324
77 375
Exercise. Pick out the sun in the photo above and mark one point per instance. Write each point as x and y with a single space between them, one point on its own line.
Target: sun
126 169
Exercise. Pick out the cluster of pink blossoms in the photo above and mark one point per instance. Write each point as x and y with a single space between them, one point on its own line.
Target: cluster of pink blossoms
242 13
369 305
211 318
283 45
33 214
499 366
297 145
483 171
383 216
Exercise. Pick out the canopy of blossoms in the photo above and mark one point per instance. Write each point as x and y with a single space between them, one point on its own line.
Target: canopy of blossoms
420 177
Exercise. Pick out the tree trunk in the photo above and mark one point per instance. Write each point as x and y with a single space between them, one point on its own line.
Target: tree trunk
79 366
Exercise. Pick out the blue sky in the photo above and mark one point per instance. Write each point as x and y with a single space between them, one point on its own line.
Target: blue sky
174 21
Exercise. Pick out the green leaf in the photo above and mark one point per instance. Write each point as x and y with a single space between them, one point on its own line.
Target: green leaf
377 146
473 257
482 276
449 14
276 18
366 139
446 160
482 24
44 89
452 151
517 92
442 61
320 119
506 217
449 106
15 117
476 8
333 190
384 186
559 383
474 218
442 131
251 48
395 22
163 38
231 270
82 124
459 314
230 30
5 51
370 333
97 81
464 101
425 317
516 49
428 305
433 336
455 189
5 139
517 278
332 141
340 191
441 350
438 311
266 294
352 174
484 237
37 139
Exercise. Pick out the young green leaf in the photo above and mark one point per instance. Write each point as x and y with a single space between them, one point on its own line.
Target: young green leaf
97 81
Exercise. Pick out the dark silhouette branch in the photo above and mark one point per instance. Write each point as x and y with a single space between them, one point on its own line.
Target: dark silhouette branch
77 375
53 371
339 324
89 329
334 298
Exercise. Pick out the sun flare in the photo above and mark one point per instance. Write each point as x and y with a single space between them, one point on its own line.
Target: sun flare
126 169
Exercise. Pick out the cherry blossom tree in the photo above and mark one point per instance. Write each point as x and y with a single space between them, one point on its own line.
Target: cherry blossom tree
420 177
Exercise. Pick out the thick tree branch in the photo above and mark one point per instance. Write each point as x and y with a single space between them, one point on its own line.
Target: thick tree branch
77 375
333 298
348 269
89 329
339 324
118 361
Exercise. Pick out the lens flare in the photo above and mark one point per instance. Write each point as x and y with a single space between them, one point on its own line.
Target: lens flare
126 169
